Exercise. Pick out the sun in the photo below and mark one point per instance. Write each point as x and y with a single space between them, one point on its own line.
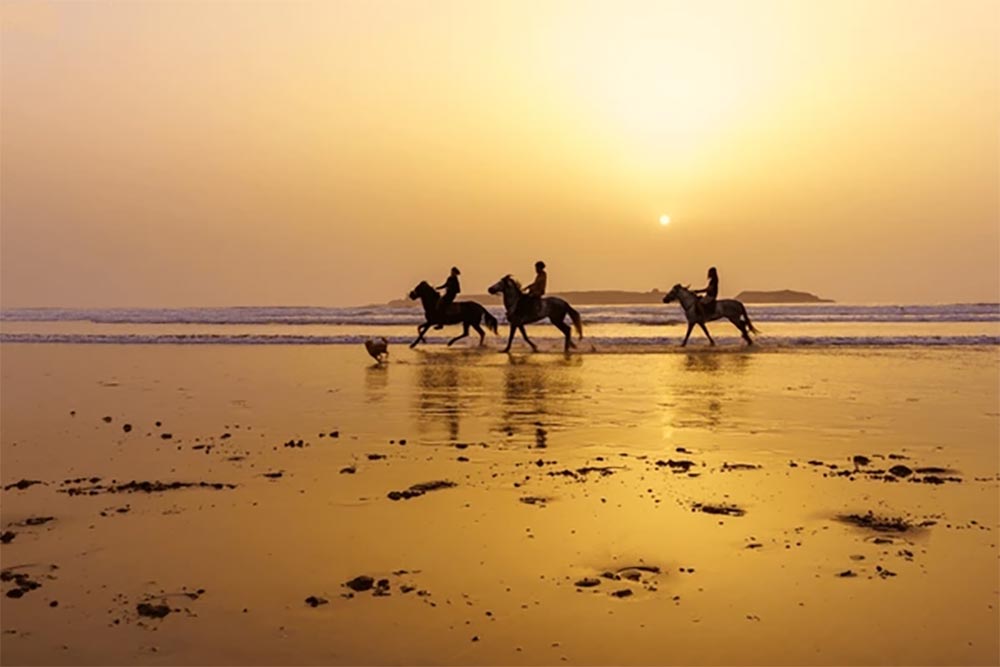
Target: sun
664 220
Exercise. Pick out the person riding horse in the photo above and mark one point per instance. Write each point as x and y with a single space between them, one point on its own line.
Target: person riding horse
706 304
451 289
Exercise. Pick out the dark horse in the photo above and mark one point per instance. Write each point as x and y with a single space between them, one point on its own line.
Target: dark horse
466 313
731 309
523 310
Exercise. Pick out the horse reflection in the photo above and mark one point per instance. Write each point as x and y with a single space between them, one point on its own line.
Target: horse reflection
537 396
446 385
704 395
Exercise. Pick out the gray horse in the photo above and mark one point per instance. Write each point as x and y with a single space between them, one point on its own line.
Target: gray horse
731 309
523 310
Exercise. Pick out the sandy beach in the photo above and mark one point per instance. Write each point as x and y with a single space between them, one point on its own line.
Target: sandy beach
799 507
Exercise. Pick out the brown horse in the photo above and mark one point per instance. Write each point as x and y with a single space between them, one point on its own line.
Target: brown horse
523 310
466 313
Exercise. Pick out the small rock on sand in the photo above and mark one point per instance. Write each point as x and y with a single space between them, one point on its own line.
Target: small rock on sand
588 582
361 583
152 610
314 601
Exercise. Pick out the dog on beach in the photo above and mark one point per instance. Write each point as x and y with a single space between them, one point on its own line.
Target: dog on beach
378 348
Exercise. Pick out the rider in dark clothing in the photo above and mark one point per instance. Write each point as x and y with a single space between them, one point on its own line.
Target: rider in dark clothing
706 304
451 289
535 291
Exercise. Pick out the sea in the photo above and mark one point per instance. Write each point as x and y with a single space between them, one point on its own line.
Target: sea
606 327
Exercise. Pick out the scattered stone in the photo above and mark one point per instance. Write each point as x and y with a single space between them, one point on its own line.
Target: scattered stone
588 582
6 536
22 583
107 420
361 583
376 457
166 436
295 443
847 573
534 500
682 465
35 521
420 489
622 593
273 475
900 471
127 428
143 487
349 470
152 610
860 460
22 484
728 510
728 467
873 522
314 601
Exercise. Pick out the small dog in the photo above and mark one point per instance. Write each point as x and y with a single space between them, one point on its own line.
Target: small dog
378 349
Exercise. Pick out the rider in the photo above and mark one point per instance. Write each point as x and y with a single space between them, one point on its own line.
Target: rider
706 305
536 290
451 289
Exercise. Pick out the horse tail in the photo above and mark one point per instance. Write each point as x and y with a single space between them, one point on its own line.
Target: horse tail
491 322
575 316
746 318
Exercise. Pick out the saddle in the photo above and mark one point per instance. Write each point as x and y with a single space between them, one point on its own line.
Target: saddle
529 307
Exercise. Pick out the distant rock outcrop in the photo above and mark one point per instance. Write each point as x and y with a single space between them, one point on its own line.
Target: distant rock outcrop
779 296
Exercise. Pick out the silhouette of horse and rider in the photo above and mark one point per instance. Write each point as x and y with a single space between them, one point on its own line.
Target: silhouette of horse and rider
710 307
529 304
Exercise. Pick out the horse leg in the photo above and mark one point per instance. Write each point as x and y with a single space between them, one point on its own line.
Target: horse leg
534 348
510 339
688 334
567 332
482 334
707 335
743 329
421 330
465 332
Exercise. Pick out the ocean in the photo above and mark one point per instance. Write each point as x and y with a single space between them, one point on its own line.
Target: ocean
605 327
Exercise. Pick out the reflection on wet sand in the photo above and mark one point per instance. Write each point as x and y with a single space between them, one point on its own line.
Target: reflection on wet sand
376 382
536 396
447 387
711 387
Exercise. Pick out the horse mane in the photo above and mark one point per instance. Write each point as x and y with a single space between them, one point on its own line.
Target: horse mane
514 280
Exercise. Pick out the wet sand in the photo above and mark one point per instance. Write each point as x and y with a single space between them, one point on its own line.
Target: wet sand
297 505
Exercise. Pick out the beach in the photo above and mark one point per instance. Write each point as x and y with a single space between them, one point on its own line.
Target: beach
226 504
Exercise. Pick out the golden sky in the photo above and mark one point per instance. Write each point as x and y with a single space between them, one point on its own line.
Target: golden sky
335 153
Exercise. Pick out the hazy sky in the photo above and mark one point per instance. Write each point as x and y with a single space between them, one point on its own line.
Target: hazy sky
210 153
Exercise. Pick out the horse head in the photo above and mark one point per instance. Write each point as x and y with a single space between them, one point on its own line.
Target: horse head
420 290
503 285
673 293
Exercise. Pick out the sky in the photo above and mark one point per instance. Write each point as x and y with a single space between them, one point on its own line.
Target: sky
336 153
